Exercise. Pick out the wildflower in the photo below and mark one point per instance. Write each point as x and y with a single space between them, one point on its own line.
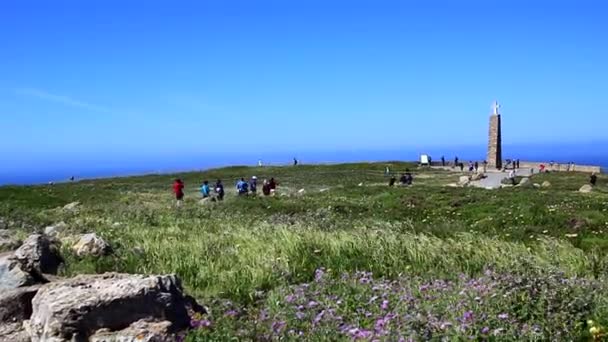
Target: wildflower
231 313
319 273
278 326
485 330
384 305
468 316
312 304
503 316
300 315
290 298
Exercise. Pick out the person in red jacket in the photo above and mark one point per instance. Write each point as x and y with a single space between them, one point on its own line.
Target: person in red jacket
178 190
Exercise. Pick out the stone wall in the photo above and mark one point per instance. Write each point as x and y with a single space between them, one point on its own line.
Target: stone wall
560 167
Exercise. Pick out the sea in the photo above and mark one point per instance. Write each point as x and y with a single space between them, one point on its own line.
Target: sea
61 170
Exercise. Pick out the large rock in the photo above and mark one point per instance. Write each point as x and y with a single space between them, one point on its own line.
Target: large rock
478 176
77 308
12 274
13 332
74 206
546 184
16 304
8 241
586 188
464 180
55 229
91 244
140 331
39 255
525 183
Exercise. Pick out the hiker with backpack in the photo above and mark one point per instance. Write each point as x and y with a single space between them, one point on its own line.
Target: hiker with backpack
205 190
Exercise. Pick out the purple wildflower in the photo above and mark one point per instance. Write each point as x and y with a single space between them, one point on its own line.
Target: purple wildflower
277 327
319 273
485 330
503 316
312 304
384 305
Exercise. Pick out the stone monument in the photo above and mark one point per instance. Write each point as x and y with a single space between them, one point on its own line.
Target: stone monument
495 140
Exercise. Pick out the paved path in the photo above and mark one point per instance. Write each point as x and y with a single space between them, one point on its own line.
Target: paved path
494 178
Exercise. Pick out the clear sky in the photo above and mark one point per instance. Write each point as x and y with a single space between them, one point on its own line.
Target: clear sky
103 81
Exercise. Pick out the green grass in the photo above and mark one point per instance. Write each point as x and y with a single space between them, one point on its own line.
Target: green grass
245 248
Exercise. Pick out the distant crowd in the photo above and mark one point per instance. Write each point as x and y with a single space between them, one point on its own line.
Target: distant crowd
243 188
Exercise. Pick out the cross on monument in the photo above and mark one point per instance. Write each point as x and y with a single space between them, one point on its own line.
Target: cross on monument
495 107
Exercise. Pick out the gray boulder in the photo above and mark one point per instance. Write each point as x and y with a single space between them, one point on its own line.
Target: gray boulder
55 229
91 244
76 309
71 206
140 331
464 180
13 332
39 255
586 188
12 274
525 183
30 263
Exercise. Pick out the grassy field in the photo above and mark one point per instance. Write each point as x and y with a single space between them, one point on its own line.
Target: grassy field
349 257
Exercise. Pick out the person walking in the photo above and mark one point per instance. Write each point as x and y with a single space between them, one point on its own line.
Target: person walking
512 176
295 161
242 187
485 166
205 190
461 167
443 161
219 190
266 188
476 166
178 190
456 161
593 179
253 185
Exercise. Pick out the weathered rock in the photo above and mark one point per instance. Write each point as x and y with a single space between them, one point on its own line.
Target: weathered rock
7 241
140 331
55 229
77 308
12 274
464 180
39 255
525 183
536 185
91 244
546 184
478 176
16 304
13 332
71 206
586 188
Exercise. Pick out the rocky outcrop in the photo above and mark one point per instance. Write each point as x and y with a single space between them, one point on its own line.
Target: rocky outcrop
55 229
586 188
78 308
30 263
74 206
13 332
16 304
39 255
140 331
464 180
91 245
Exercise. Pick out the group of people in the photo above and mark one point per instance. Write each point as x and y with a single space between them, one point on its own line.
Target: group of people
217 193
405 179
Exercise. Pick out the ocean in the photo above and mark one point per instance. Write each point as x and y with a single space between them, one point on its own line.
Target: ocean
584 154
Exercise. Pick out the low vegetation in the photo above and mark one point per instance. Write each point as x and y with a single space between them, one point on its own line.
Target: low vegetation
348 257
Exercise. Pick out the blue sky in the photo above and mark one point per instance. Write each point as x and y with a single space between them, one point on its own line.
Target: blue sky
109 81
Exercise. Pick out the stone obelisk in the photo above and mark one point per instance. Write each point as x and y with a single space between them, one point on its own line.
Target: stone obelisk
495 142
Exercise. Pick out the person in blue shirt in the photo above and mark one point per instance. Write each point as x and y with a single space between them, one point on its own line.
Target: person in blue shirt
242 187
205 191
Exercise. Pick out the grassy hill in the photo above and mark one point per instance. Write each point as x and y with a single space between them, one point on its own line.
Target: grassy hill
350 257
